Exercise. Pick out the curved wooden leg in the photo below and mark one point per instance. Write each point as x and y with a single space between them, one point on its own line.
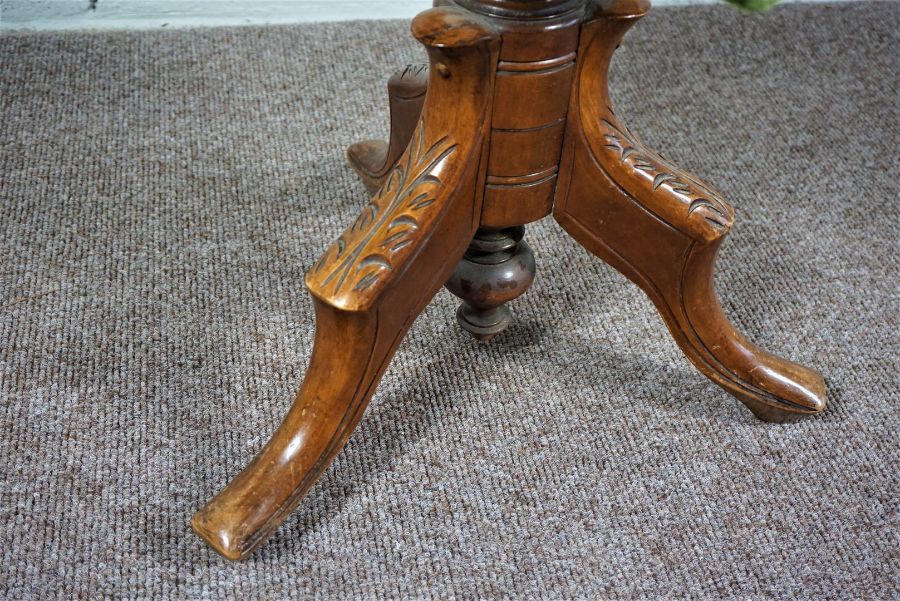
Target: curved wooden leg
372 282
662 227
373 159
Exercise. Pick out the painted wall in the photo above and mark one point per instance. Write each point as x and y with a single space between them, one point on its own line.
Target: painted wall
143 14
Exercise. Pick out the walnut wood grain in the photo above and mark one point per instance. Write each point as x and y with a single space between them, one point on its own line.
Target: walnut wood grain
521 151
537 64
373 281
662 227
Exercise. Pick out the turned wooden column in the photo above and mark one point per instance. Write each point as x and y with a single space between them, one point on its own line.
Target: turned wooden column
498 266
534 74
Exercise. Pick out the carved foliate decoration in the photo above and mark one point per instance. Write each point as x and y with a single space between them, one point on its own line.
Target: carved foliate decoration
699 198
360 261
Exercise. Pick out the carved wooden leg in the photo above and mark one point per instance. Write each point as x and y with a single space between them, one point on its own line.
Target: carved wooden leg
662 227
373 281
373 159
497 268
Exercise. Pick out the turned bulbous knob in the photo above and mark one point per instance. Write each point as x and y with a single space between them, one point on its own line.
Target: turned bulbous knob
497 268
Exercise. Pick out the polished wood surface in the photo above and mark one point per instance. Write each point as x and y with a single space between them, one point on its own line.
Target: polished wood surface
497 268
374 159
509 122
373 281
662 227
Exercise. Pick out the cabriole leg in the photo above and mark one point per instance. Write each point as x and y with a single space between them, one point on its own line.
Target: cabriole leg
662 227
373 159
372 282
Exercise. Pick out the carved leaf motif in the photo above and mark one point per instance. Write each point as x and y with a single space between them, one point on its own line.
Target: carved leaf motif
364 252
414 70
632 152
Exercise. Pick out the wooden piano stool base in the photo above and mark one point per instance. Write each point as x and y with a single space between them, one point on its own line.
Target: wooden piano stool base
510 121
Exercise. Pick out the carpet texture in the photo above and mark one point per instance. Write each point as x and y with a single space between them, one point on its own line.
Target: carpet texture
162 193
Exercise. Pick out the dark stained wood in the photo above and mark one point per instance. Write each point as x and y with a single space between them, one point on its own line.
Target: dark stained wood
516 123
531 9
497 268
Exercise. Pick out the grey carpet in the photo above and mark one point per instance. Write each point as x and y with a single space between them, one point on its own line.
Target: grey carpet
162 193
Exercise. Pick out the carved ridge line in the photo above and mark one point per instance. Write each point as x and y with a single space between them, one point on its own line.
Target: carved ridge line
414 70
528 178
530 184
545 71
374 216
534 66
645 160
666 309
554 123
711 359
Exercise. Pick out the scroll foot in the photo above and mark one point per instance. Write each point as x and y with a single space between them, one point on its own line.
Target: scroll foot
662 227
371 284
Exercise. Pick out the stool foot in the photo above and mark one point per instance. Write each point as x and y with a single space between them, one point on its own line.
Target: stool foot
662 227
373 159
371 284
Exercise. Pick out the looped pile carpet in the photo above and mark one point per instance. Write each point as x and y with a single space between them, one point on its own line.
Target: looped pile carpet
162 193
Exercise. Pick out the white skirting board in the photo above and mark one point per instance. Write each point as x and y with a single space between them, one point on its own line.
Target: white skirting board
145 14
150 14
